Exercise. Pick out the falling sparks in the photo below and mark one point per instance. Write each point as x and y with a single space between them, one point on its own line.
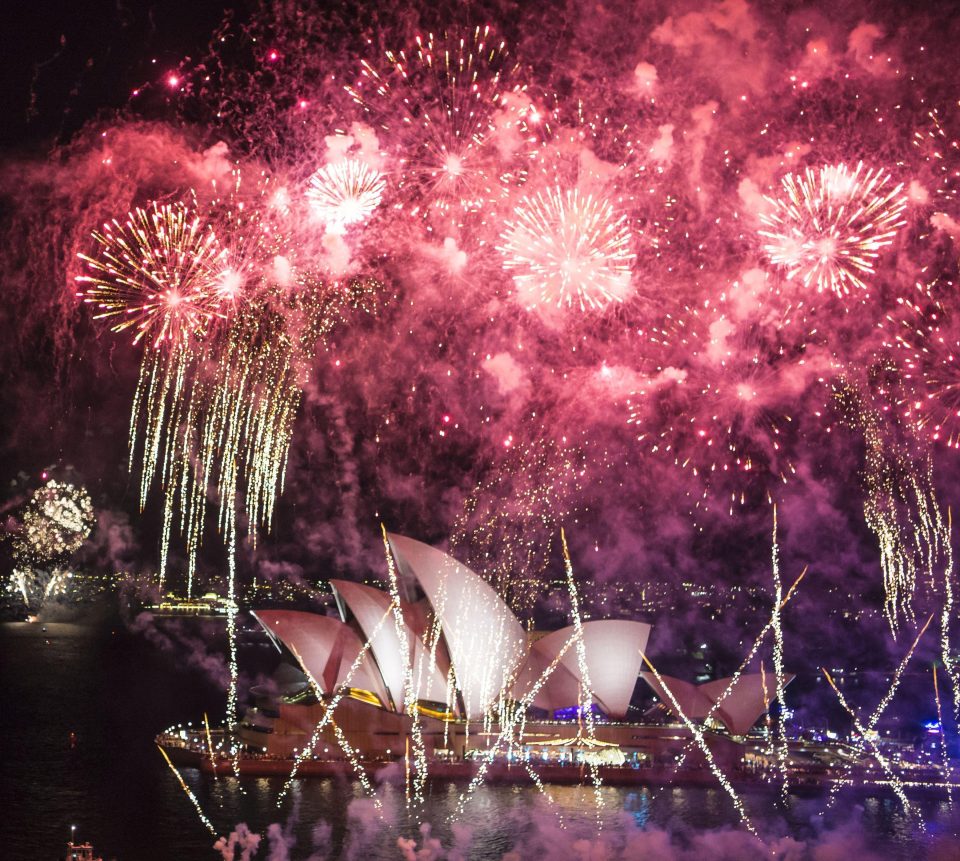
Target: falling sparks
901 509
189 793
829 225
567 249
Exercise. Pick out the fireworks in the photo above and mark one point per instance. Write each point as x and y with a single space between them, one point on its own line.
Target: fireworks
567 249
726 422
829 225
345 193
57 520
509 520
926 342
900 508
450 105
248 219
156 274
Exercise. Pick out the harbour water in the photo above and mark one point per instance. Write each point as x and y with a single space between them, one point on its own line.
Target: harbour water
82 702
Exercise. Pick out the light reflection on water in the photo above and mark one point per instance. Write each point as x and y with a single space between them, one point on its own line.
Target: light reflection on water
115 692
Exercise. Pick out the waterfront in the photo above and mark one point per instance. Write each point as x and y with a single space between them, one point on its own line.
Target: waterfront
115 690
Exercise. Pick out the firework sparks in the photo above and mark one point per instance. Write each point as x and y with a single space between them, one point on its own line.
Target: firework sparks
410 684
894 780
900 508
724 414
926 342
697 735
567 249
156 274
509 520
828 226
189 793
586 689
446 101
56 522
345 193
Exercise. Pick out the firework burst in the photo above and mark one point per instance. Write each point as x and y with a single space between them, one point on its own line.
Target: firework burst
566 249
828 226
345 193
450 103
248 219
926 344
156 274
56 522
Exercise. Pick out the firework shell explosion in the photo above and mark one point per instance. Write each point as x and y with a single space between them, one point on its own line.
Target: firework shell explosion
828 226
56 521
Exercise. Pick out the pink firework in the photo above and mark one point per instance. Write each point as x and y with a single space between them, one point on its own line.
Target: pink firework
156 275
248 217
828 226
721 410
567 249
450 107
925 342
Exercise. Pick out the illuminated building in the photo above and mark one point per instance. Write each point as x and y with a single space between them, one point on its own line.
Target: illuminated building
469 659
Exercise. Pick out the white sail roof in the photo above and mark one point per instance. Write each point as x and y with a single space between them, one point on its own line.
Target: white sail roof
486 642
749 697
372 609
325 647
614 652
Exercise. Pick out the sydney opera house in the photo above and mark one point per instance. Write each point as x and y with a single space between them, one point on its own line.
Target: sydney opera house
470 661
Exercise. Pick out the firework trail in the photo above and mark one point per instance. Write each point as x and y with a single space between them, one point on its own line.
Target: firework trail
894 780
586 689
829 225
901 509
944 752
705 749
330 708
780 743
411 705
189 793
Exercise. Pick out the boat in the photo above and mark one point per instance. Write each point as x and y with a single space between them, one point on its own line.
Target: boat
81 852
